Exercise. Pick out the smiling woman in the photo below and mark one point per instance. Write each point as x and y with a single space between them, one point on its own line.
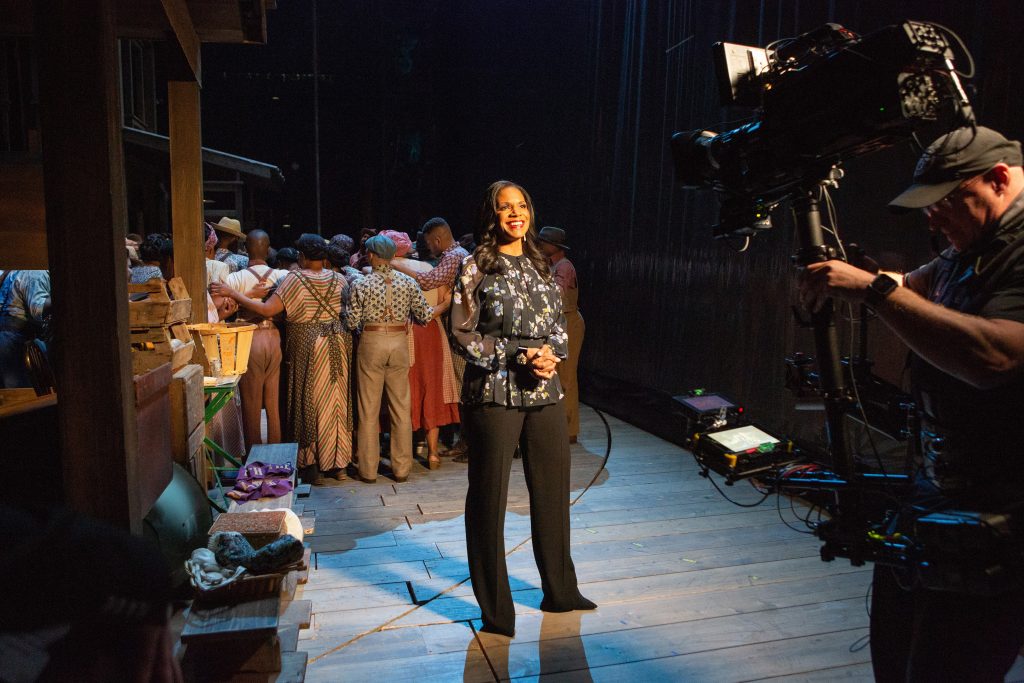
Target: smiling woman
507 321
505 225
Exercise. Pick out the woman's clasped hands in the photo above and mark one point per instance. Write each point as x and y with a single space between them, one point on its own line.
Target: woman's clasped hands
542 362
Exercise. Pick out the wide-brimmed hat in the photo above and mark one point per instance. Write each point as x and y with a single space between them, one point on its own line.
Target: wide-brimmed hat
229 225
953 158
555 236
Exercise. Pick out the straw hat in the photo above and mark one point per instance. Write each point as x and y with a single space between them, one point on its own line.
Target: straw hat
229 225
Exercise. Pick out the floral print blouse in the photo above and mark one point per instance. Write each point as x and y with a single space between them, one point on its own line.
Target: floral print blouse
492 317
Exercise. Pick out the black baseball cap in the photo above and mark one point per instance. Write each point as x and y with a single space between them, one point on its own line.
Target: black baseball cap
951 159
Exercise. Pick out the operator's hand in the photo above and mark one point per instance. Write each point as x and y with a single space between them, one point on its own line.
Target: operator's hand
819 281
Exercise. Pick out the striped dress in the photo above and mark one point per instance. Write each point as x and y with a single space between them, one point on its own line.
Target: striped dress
318 358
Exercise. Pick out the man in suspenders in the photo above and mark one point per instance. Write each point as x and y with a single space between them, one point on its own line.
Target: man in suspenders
381 306
260 385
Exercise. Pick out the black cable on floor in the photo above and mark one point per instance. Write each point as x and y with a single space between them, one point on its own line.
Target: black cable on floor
607 454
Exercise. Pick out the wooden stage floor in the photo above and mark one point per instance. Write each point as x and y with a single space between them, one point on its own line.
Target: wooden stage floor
689 586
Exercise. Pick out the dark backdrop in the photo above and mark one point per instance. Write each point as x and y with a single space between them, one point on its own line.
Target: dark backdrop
423 103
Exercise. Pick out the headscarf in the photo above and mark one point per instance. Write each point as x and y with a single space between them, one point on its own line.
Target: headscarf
403 244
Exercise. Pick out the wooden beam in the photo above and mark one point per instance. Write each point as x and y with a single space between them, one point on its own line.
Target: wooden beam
83 176
187 191
184 63
22 215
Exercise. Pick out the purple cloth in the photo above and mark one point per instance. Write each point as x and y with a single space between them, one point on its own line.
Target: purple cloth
262 480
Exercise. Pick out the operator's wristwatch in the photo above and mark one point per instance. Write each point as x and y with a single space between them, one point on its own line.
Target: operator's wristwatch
880 288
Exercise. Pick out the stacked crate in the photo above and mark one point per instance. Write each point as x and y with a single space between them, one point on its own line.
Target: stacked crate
158 314
187 425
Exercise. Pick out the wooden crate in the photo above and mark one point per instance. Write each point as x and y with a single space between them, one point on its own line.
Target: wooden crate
185 446
165 303
187 400
153 421
198 464
222 348
154 346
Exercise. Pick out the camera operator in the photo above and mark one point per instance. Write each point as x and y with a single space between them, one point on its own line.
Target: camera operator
962 315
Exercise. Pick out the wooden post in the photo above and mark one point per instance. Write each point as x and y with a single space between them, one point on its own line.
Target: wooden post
187 191
83 177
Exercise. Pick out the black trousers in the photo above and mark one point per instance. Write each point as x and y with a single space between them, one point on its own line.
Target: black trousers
924 635
494 433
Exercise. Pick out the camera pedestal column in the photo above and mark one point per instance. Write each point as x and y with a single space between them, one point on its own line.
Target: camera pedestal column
826 347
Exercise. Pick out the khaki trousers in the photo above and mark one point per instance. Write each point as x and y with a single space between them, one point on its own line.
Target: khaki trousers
567 370
382 364
260 387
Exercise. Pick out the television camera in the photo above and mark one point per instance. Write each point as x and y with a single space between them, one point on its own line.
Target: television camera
822 98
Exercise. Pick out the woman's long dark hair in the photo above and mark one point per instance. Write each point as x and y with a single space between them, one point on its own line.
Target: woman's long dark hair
486 253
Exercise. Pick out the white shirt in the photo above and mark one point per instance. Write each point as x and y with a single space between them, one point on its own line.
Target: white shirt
216 271
243 280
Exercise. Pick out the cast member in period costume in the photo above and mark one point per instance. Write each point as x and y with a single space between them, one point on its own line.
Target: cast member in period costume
317 357
382 304
260 385
564 273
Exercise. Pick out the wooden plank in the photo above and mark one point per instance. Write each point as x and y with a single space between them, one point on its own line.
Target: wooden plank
343 542
524 574
647 588
354 558
289 637
298 613
669 642
366 575
409 656
252 619
470 666
307 564
853 672
218 660
379 595
23 214
339 514
293 668
185 147
78 72
372 525
737 663
680 611
517 526
276 453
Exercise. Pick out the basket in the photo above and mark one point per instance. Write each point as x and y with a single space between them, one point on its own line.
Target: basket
222 348
242 589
